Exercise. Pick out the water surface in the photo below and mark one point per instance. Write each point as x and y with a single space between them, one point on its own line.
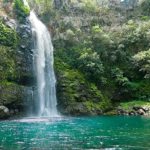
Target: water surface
117 133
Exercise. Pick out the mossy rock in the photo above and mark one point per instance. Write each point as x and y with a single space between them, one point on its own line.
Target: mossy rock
7 63
4 112
8 36
11 95
21 10
77 96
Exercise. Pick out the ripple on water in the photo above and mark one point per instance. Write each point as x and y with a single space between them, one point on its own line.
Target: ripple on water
110 133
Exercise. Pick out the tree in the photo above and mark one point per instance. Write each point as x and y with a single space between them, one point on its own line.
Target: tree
142 61
90 64
145 5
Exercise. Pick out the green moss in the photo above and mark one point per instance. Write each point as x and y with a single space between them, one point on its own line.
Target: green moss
75 94
98 107
21 10
129 105
8 37
7 63
11 94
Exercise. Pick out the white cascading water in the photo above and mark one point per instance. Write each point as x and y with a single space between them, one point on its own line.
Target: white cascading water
46 102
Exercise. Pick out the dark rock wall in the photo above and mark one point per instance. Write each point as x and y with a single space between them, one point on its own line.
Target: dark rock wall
16 67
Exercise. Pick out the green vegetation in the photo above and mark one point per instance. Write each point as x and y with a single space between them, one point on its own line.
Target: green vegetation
112 58
12 94
8 37
75 94
89 6
142 61
20 9
102 52
129 105
11 91
146 7
7 61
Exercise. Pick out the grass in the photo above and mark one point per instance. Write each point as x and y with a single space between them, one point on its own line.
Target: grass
131 104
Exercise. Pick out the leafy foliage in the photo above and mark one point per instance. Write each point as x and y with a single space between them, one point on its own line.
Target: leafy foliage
90 63
98 51
20 9
76 93
146 7
142 61
6 34
7 63
117 74
89 6
105 53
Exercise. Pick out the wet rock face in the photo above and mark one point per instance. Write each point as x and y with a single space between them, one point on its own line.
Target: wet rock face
24 54
11 95
16 68
24 60
15 91
14 97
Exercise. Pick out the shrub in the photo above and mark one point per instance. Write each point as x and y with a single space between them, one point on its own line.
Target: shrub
145 5
142 62
7 63
20 9
117 74
8 37
90 63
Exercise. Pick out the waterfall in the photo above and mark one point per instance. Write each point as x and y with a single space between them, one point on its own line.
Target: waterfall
45 103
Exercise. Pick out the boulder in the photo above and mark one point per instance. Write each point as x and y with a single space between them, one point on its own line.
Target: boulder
122 112
136 108
132 113
4 112
146 109
141 112
11 24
